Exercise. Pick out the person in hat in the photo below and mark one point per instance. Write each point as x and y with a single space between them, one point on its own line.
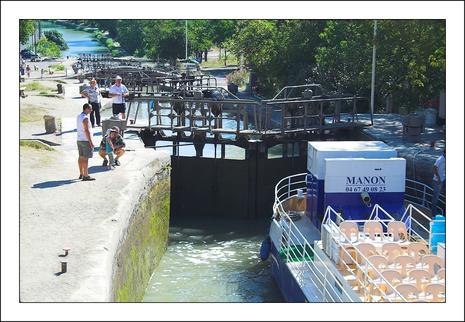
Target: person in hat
118 92
112 142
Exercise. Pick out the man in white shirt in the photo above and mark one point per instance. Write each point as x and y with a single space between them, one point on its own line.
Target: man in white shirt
439 180
84 142
118 92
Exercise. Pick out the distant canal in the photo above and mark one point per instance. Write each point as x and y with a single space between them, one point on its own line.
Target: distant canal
78 41
213 260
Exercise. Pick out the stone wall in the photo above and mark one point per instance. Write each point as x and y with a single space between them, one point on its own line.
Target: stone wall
145 241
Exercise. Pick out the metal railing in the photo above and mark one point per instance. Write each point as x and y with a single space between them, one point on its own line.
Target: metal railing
192 115
323 278
421 194
297 246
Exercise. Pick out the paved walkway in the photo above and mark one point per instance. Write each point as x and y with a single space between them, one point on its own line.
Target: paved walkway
57 210
420 155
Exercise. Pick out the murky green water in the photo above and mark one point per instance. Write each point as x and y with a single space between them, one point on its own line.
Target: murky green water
214 260
78 41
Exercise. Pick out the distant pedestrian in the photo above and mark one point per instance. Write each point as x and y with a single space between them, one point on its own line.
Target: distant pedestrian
84 142
94 98
439 180
118 92
41 73
28 71
117 146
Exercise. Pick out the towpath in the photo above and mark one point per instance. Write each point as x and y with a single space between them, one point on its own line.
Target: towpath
57 210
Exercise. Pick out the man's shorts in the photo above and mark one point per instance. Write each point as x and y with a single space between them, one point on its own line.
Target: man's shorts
119 108
84 149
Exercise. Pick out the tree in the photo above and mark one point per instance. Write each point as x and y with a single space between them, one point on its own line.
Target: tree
131 36
48 48
279 52
410 61
56 37
26 29
222 32
200 34
165 39
110 25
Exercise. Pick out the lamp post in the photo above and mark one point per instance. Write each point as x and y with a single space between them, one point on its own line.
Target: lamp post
373 64
187 64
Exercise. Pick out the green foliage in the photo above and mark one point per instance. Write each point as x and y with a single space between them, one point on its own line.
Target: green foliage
57 38
109 43
48 48
165 39
131 36
338 54
26 29
410 62
58 67
222 31
200 35
280 52
237 77
110 25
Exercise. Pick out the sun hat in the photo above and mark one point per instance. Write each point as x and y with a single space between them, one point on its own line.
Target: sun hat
118 77
116 128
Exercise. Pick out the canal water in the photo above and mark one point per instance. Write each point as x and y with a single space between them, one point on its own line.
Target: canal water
207 259
213 260
78 41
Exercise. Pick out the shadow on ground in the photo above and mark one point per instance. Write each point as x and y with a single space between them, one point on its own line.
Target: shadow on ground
97 169
53 184
69 131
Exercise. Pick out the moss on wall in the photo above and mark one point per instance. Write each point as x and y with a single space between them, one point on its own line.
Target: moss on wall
144 244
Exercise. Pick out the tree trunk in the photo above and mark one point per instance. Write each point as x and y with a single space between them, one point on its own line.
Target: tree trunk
225 56
206 54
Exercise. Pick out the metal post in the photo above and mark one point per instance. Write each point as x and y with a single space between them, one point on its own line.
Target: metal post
187 66
372 105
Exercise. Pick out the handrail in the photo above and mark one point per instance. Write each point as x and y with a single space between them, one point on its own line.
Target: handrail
297 86
288 221
287 188
426 193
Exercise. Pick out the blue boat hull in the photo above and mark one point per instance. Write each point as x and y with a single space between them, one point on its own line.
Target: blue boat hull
286 282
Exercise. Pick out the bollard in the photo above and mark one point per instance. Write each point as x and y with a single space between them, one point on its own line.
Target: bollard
66 249
60 88
64 266
50 126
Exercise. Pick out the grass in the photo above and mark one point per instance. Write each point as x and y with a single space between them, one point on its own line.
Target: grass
214 62
58 67
35 86
34 144
31 114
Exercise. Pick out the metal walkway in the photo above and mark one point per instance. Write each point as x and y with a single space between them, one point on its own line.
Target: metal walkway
237 121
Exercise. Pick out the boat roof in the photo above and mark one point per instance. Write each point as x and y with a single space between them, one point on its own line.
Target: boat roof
350 146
